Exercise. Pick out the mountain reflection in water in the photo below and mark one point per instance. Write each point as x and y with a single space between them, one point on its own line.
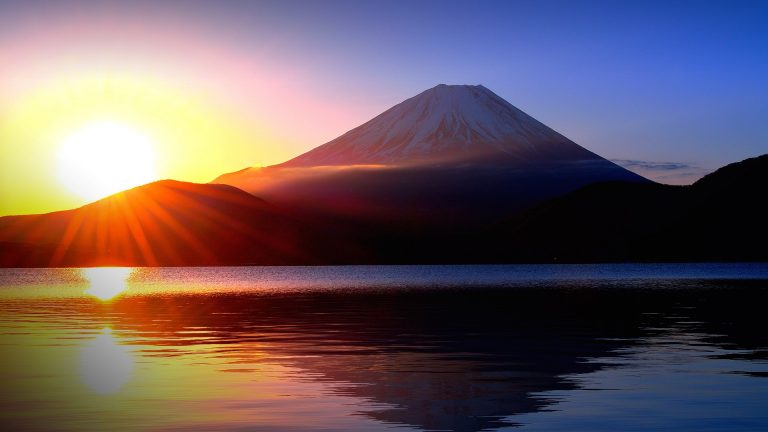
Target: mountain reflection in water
429 358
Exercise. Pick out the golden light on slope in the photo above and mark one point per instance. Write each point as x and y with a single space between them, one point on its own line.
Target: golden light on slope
105 283
105 157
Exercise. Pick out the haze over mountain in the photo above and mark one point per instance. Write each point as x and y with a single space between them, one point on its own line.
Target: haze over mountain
450 154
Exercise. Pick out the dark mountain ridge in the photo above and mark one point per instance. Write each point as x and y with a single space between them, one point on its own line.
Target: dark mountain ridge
721 217
453 175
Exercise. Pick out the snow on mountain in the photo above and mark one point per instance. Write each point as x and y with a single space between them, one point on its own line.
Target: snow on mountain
446 124
448 158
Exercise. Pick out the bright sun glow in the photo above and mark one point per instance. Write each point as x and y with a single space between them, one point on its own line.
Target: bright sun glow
105 157
106 282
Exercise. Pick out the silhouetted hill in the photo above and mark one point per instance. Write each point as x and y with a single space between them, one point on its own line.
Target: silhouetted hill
164 223
721 217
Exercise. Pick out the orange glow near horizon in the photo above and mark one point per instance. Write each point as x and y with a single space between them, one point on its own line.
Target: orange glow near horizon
83 138
104 158
209 106
194 137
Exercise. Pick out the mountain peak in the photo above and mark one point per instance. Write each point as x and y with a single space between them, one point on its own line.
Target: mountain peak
447 124
457 87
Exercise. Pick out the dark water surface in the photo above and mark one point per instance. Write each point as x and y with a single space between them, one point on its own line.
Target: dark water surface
457 348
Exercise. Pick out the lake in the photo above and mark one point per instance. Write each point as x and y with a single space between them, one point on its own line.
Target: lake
630 347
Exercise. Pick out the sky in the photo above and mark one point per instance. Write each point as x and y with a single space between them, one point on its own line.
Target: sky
670 89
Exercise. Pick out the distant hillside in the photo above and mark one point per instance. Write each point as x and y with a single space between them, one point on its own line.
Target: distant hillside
165 223
723 216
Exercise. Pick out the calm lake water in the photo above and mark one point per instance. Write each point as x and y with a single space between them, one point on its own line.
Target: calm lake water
456 348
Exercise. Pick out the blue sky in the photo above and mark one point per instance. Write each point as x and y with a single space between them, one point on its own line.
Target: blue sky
666 81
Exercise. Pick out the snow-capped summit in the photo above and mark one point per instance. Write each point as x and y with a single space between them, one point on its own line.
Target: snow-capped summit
448 158
446 124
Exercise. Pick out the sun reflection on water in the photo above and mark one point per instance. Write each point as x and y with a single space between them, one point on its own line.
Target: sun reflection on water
105 364
105 283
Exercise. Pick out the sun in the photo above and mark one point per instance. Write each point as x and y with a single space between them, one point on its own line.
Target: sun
105 157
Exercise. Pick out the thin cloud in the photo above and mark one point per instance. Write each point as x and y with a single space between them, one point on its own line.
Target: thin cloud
664 166
677 173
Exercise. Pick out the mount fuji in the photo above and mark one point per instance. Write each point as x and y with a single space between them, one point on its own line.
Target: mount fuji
453 175
450 155
447 125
